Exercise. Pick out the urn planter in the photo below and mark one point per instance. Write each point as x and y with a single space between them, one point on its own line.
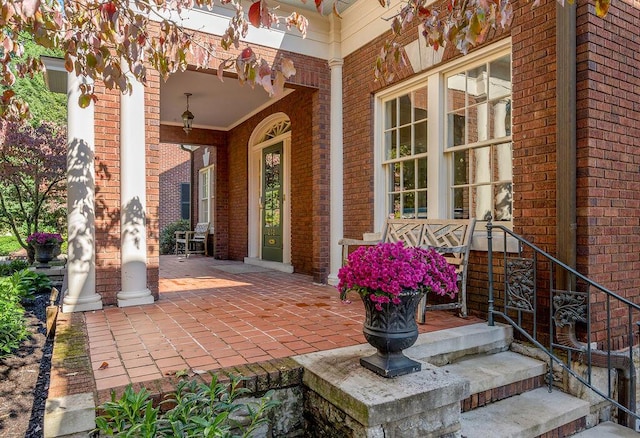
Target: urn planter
44 253
390 331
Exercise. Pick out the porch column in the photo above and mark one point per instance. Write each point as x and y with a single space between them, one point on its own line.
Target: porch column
336 159
133 232
80 294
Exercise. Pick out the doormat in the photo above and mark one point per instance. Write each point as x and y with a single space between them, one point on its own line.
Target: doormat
241 269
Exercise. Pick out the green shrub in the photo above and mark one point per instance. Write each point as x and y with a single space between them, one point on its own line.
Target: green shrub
198 410
7 269
168 235
8 244
13 328
29 283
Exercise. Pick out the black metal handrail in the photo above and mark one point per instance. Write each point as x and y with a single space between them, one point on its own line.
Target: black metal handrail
527 269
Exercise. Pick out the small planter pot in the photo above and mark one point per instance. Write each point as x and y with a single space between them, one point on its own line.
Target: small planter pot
45 253
390 331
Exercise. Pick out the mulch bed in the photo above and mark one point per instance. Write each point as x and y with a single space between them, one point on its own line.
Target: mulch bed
24 378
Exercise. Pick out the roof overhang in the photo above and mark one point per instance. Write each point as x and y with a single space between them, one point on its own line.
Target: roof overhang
55 75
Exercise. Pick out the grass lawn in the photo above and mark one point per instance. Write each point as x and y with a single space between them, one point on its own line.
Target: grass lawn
8 244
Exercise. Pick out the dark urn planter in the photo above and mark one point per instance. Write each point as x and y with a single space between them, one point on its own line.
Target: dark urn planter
390 331
44 253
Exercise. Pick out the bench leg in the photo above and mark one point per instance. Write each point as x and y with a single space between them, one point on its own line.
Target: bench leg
420 317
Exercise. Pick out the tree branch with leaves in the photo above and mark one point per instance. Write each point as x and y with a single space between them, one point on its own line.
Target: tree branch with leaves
106 39
33 168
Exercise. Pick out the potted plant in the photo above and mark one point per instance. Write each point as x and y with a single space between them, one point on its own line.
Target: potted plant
391 279
45 246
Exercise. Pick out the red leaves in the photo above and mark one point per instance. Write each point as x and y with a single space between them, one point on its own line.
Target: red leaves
108 9
255 10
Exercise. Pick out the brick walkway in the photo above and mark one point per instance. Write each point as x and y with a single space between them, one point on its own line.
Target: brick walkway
215 314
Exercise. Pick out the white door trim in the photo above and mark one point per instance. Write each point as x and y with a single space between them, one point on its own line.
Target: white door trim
255 189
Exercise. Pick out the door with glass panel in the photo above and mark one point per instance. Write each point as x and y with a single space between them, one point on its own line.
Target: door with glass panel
271 203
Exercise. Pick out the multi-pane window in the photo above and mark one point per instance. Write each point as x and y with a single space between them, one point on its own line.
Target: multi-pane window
478 140
405 153
206 196
457 159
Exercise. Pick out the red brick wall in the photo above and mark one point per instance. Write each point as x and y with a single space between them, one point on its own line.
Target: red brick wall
534 118
608 117
359 90
152 133
217 143
174 170
107 164
297 107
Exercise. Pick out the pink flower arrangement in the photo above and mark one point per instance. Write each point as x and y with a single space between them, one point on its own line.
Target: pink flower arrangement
383 271
44 238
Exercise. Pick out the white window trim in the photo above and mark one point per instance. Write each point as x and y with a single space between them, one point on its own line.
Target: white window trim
211 201
437 167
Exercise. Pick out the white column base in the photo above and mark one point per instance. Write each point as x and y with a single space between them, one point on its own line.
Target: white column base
332 280
128 299
81 304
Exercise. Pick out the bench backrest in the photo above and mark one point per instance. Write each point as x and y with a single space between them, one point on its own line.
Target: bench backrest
201 231
450 237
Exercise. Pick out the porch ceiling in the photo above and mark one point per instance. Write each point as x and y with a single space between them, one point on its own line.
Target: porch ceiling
215 104
341 5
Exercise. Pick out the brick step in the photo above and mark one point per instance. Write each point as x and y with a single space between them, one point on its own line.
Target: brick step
497 376
536 413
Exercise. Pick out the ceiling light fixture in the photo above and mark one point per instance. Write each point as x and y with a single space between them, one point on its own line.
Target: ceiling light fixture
187 117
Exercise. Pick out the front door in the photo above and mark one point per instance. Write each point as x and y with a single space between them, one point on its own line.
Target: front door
271 201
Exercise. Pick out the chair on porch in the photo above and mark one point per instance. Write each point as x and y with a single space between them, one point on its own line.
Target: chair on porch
193 242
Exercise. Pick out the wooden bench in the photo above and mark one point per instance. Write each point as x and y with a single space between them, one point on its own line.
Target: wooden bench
450 237
193 242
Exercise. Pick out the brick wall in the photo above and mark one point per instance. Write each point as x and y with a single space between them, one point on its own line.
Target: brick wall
608 152
174 170
297 107
152 132
359 91
107 164
534 118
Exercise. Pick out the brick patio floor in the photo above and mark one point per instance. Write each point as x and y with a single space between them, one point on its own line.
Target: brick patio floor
214 314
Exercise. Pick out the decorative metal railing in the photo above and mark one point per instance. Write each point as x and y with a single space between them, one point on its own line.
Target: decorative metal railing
564 314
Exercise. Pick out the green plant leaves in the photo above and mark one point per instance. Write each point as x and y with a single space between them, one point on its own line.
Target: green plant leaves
198 410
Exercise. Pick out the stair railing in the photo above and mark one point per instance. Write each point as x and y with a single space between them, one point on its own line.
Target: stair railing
534 280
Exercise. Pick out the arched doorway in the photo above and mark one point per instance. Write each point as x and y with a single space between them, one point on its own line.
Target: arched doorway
269 237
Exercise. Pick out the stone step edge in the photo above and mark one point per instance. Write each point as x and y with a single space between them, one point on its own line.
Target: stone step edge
608 429
534 413
497 376
446 346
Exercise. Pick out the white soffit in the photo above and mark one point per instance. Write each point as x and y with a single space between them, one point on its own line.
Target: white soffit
56 75
215 22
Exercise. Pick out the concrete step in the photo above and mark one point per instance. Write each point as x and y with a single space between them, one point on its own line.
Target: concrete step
608 430
497 376
447 346
524 416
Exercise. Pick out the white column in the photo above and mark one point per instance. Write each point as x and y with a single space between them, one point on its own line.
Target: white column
133 232
80 294
336 159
